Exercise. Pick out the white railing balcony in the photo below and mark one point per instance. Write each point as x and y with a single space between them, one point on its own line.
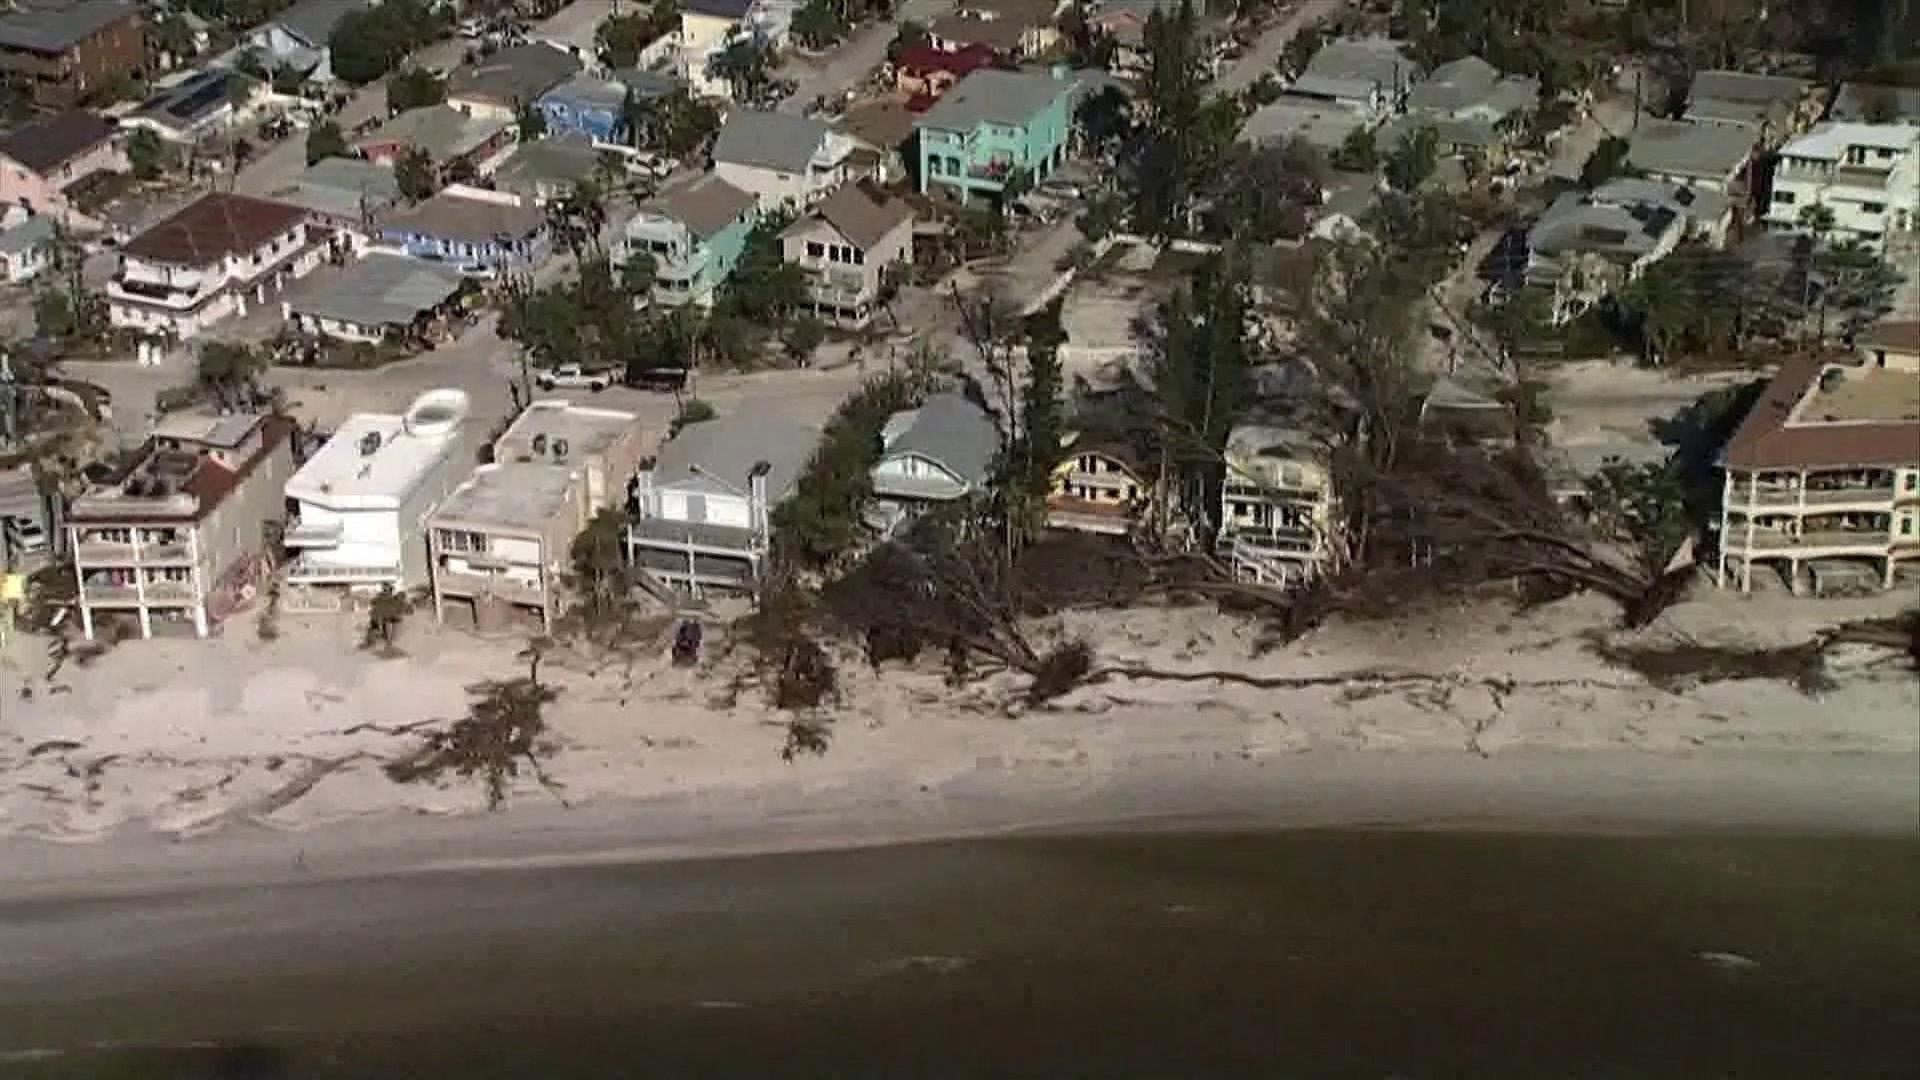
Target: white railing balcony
1831 540
306 571
317 534
157 294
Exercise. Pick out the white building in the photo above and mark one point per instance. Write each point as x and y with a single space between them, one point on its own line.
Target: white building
211 260
362 503
1866 175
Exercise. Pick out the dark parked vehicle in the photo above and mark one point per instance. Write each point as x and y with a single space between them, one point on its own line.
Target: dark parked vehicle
686 644
658 379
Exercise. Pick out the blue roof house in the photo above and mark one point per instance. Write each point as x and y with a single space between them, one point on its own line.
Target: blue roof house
593 106
479 232
992 123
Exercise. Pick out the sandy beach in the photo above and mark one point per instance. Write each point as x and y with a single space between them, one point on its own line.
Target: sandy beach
268 754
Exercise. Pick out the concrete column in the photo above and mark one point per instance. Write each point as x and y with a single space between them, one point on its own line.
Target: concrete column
1726 525
80 590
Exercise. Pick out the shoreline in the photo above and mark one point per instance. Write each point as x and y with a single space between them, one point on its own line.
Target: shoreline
1522 790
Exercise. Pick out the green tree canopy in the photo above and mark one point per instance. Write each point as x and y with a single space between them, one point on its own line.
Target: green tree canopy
414 88
325 140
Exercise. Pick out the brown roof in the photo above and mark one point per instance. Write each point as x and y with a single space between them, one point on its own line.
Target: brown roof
1766 441
706 206
996 24
1901 336
218 225
45 145
862 216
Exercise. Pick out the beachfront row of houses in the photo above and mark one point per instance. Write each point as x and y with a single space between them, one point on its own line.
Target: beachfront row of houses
215 510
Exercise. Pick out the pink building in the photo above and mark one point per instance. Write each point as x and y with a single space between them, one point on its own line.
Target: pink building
40 161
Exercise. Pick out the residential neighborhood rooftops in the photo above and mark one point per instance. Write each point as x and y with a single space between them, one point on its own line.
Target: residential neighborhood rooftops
1472 82
1576 222
57 29
1863 102
1703 204
1829 141
996 24
947 429
992 95
513 496
216 225
1321 124
381 290
184 104
769 140
705 205
595 90
1742 96
168 481
451 215
344 188
1355 67
1679 148
718 9
373 460
959 62
885 124
312 21
46 144
563 160
1816 414
442 131
584 431
513 76
862 216
718 455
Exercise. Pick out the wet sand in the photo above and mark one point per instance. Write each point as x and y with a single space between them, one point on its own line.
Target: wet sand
1236 953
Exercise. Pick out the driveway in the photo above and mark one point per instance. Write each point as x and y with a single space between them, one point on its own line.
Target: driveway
1264 56
848 65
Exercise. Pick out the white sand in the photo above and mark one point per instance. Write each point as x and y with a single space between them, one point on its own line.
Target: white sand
186 738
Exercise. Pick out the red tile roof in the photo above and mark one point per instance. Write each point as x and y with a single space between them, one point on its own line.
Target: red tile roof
216 226
959 62
1766 441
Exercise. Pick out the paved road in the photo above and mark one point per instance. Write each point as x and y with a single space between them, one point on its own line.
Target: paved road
847 65
1265 53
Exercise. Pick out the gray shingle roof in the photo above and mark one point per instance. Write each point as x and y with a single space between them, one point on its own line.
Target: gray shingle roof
1678 148
564 160
343 187
705 206
313 21
513 76
381 290
442 131
994 96
44 144
719 9
861 216
716 455
1454 85
1352 69
767 140
1321 124
451 216
27 235
951 432
57 29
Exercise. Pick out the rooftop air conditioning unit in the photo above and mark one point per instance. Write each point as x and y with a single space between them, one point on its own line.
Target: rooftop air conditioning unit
369 444
539 444
559 449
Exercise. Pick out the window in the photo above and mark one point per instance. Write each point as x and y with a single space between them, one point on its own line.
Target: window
461 541
1913 481
856 257
1873 208
816 249
112 536
1783 198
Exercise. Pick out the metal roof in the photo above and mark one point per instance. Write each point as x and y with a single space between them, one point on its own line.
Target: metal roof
948 430
381 290
1679 148
452 216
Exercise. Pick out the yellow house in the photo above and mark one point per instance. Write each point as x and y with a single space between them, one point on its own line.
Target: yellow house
707 27
1276 506
1098 488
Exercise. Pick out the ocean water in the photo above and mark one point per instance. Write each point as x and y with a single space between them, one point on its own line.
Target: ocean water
1267 954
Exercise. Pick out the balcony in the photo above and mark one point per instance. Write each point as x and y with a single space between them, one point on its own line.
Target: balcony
1303 541
128 553
1875 495
308 571
1828 541
318 534
490 587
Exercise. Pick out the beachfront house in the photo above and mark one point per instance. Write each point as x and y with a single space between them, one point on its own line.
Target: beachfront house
993 124
695 234
1099 486
1276 506
179 533
701 511
361 504
1822 478
846 245
499 545
939 452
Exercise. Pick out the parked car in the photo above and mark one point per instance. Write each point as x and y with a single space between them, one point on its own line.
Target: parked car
1061 189
658 378
573 377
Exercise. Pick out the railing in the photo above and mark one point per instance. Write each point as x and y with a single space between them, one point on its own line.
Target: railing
1765 540
497 587
113 553
1874 494
1294 541
309 571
